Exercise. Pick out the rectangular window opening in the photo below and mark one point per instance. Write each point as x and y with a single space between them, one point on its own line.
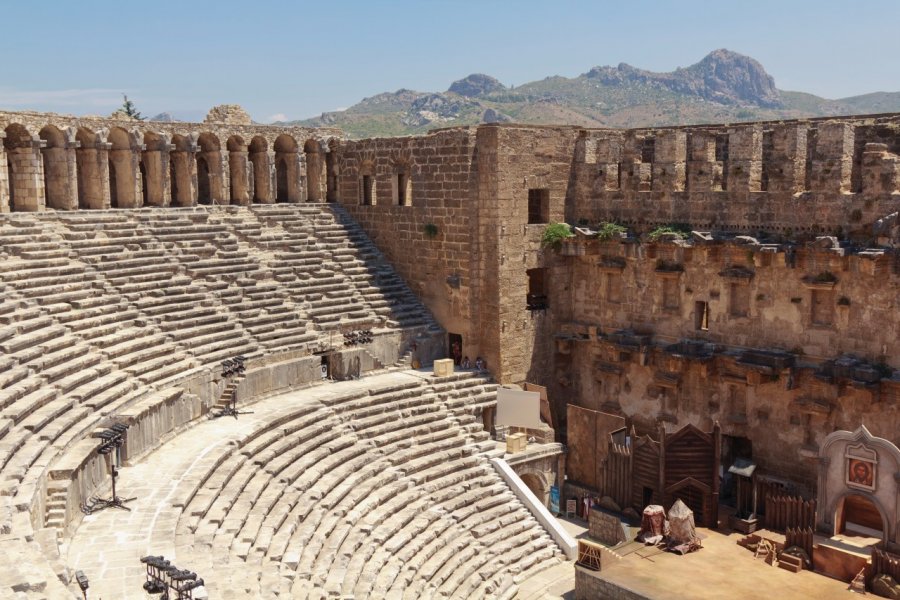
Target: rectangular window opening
701 316
536 299
538 206
403 190
367 183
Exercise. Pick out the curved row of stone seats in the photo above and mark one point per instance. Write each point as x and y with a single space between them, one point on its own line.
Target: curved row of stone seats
361 496
100 304
100 310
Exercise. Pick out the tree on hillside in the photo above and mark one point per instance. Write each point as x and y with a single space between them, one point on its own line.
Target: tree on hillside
129 109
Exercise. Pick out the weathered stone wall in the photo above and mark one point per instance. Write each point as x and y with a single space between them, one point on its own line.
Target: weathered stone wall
437 175
771 360
590 585
788 177
527 158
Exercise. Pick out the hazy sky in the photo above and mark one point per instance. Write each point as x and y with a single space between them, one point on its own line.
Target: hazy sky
297 59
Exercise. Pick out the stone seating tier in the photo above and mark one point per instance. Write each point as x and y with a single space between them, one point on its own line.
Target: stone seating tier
378 494
99 310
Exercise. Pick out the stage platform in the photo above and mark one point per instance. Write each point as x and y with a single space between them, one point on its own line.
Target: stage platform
721 569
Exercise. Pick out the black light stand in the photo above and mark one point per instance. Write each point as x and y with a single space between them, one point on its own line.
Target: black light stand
82 580
113 439
233 368
163 577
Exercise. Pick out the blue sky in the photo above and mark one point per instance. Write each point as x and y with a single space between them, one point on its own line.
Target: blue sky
298 59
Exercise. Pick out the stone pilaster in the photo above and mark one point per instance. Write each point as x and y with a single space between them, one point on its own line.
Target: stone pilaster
880 170
669 168
832 160
745 159
703 173
787 169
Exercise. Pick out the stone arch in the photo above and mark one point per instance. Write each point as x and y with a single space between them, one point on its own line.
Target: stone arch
25 169
313 170
56 168
401 182
835 455
366 183
91 169
238 166
287 169
210 175
838 507
539 485
124 187
260 170
181 171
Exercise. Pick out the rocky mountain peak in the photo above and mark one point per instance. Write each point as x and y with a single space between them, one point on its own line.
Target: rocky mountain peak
476 85
721 76
735 77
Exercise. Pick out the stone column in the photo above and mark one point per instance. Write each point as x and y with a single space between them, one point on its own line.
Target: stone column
832 160
102 158
71 173
297 191
303 177
669 168
165 158
745 159
238 170
4 176
136 152
224 177
269 195
192 151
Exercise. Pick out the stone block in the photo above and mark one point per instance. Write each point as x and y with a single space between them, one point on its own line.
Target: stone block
443 367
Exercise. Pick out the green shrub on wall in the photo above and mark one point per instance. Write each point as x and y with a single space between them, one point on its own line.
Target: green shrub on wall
554 234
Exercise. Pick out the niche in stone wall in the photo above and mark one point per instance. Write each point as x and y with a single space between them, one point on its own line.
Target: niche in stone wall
671 298
739 299
822 307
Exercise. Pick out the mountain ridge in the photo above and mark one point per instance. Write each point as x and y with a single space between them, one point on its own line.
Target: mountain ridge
724 86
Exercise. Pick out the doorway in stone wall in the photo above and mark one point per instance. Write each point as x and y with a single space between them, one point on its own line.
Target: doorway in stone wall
734 448
455 347
857 519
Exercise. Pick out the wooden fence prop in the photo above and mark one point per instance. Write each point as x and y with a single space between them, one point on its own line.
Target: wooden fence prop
885 563
801 537
617 474
589 555
784 512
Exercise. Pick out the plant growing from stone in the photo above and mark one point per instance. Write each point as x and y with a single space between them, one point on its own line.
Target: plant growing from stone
609 231
664 230
554 234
